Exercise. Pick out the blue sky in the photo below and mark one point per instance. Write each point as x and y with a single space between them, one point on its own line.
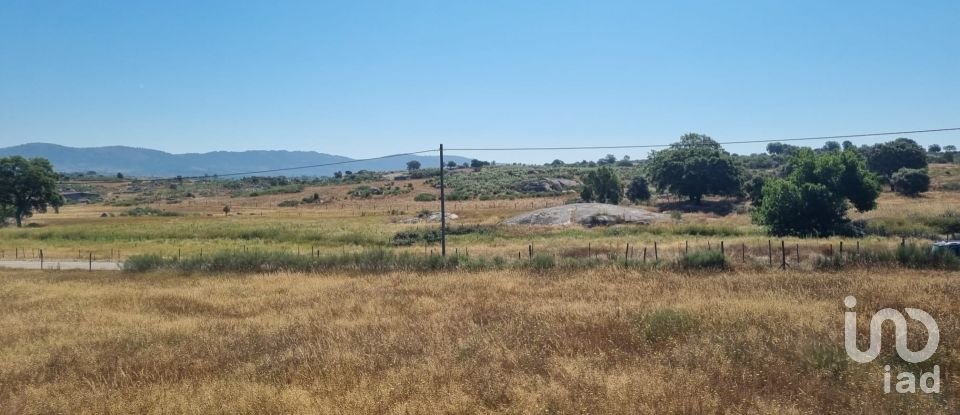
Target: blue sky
370 78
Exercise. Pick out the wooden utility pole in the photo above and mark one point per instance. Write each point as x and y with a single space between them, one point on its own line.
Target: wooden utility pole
443 210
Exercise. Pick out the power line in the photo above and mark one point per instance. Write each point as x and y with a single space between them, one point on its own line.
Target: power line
413 153
828 137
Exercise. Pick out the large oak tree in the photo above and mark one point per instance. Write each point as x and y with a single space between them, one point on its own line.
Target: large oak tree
693 167
27 186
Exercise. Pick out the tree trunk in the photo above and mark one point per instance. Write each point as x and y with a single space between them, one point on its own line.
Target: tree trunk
19 218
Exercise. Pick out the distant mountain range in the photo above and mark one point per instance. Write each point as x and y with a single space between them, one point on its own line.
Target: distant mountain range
142 162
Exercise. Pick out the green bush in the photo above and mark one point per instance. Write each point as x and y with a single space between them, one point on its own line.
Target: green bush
543 262
910 182
425 197
704 259
289 203
924 257
143 263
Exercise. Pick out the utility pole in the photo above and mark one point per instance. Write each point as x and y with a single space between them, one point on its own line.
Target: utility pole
443 210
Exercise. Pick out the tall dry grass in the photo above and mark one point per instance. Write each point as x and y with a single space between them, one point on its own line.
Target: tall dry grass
593 341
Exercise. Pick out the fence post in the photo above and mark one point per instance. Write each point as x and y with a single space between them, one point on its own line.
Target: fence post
783 252
41 259
770 251
626 256
91 261
686 247
798 253
644 255
722 251
656 255
841 248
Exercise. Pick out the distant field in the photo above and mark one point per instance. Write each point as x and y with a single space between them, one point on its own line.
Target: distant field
598 341
348 224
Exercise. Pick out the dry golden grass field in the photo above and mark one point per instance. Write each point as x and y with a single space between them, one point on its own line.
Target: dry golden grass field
600 341
752 339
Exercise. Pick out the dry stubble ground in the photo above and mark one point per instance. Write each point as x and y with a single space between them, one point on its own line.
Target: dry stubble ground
602 341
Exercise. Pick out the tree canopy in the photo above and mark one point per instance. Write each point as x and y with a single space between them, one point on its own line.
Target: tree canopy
813 199
693 167
602 185
27 186
638 190
910 182
413 165
886 158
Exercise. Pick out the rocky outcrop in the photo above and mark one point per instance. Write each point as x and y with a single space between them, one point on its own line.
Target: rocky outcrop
586 214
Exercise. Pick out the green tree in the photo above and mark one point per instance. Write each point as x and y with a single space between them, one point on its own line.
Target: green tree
120 176
776 148
412 165
638 190
556 163
477 165
27 186
790 208
693 167
814 197
910 182
885 159
451 164
609 159
950 148
934 148
602 185
831 146
754 189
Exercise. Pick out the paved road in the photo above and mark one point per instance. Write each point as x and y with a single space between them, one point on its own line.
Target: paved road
63 265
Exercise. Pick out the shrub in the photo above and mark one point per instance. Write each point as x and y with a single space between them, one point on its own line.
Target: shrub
914 256
289 203
425 197
142 263
639 190
602 185
543 262
910 182
704 260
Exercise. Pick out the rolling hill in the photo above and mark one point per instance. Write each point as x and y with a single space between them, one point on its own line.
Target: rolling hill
142 162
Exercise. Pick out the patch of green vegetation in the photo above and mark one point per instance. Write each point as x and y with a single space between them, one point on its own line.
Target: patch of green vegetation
704 260
667 323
